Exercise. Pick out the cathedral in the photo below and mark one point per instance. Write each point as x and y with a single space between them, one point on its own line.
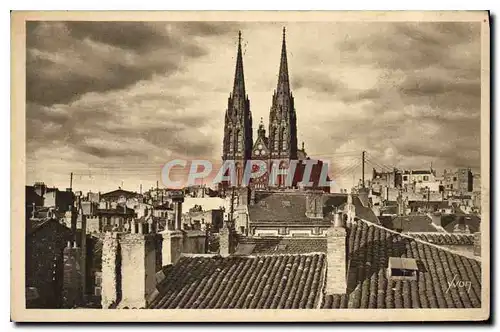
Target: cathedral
277 149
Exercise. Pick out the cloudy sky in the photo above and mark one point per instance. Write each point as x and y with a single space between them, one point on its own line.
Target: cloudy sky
113 101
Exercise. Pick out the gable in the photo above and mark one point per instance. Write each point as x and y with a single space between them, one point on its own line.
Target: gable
260 148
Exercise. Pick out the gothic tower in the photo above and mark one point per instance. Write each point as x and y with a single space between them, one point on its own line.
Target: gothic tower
238 139
282 117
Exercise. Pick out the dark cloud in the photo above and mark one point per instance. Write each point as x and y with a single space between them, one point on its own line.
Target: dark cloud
68 59
135 36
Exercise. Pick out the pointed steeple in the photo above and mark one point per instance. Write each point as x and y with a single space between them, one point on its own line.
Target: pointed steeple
239 78
261 131
283 79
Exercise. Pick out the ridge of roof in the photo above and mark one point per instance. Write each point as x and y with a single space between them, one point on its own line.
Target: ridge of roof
478 259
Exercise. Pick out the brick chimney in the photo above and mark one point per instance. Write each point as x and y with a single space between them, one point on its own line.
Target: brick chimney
336 258
314 205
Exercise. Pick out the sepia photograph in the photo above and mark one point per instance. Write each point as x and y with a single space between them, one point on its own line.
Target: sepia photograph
317 161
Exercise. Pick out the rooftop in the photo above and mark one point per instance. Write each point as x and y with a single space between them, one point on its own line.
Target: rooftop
242 282
296 279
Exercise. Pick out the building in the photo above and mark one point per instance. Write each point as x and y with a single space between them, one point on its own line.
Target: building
420 180
382 180
458 181
276 150
46 239
60 200
476 182
118 196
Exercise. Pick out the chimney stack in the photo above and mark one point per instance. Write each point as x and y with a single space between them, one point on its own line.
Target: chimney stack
477 243
226 240
314 205
128 270
336 258
72 276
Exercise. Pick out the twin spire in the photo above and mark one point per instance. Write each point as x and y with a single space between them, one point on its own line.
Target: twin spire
239 77
283 79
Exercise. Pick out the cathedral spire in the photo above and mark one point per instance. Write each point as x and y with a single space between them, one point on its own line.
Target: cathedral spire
239 78
283 80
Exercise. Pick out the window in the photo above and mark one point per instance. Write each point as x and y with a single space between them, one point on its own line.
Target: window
402 268
97 291
405 178
454 178
402 273
426 178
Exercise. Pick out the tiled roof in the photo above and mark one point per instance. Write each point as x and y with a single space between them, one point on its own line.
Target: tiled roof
291 207
410 223
283 245
244 282
270 206
369 249
449 222
445 238
34 225
119 192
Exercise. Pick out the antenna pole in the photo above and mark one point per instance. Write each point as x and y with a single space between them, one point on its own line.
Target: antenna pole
363 168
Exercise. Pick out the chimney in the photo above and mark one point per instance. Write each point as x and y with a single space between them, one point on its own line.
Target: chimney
336 258
178 199
172 246
137 256
314 205
226 240
477 243
72 276
111 271
350 209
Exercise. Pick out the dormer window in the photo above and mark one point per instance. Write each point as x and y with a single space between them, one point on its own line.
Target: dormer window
401 268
